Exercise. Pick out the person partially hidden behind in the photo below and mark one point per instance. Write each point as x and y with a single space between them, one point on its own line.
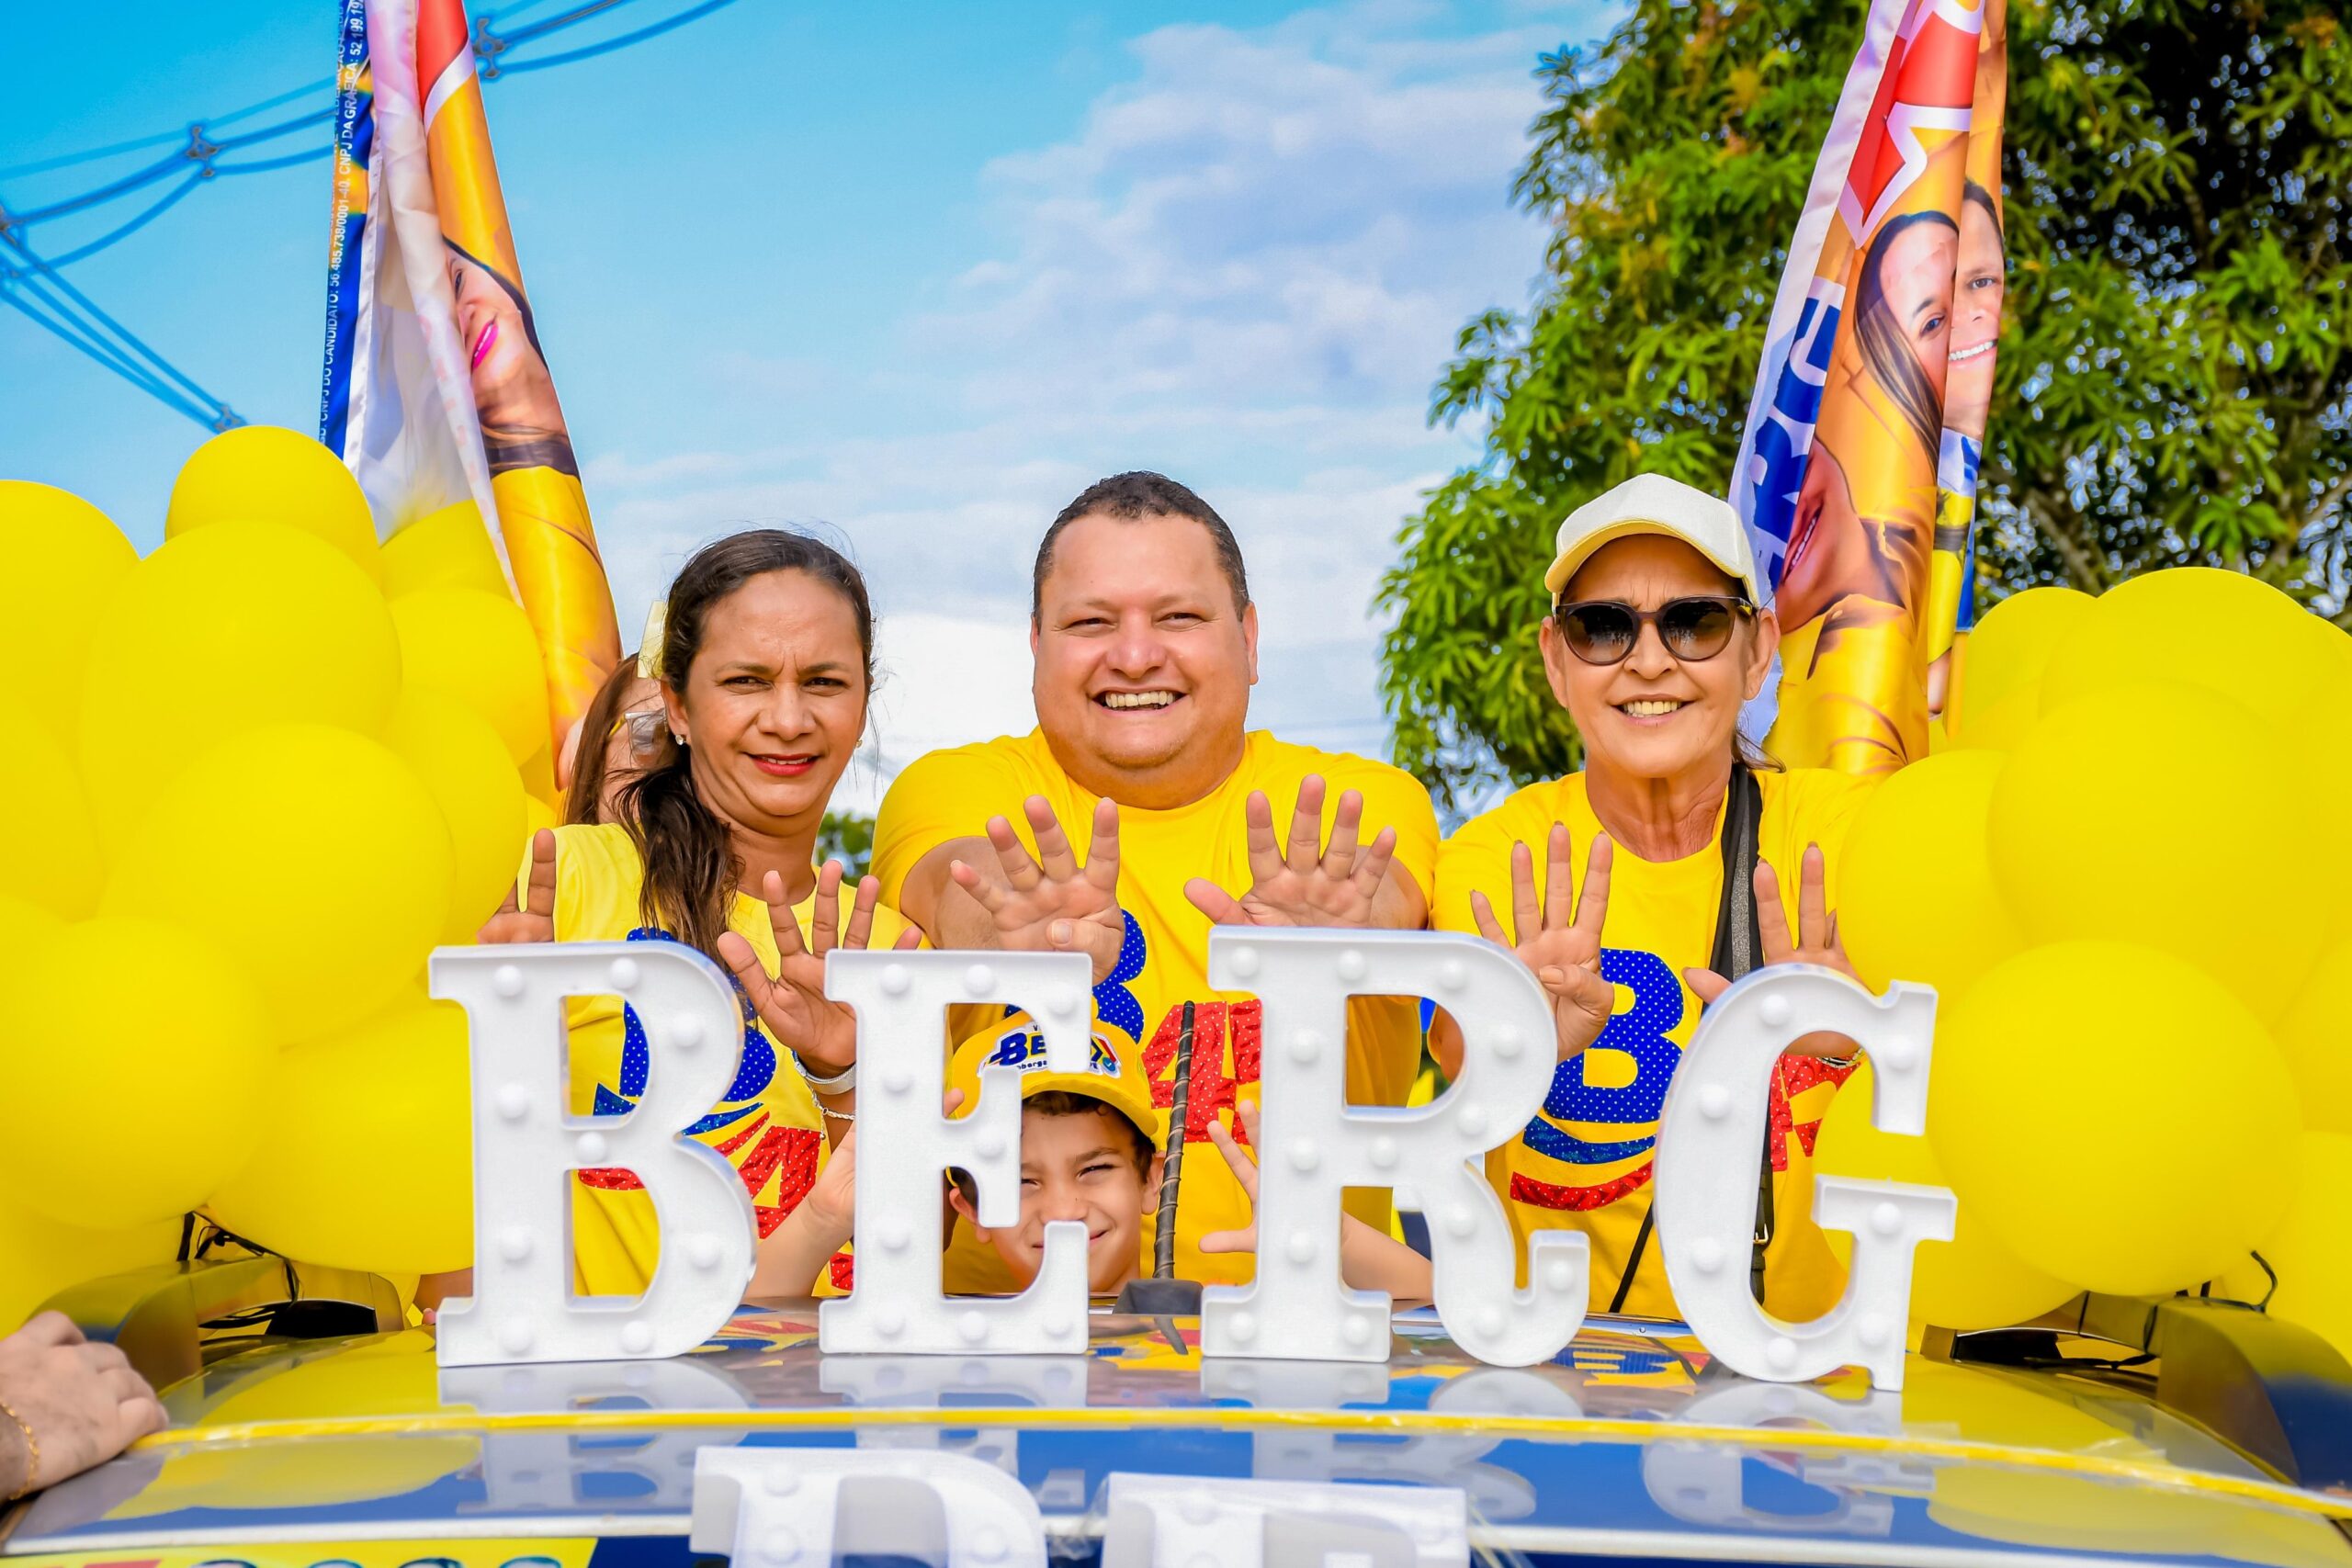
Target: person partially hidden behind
65 1404
1088 1155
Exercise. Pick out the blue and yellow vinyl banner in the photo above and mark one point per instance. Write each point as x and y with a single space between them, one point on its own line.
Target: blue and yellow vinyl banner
1857 472
437 388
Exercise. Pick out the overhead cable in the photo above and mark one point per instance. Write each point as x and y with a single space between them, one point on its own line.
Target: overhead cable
35 284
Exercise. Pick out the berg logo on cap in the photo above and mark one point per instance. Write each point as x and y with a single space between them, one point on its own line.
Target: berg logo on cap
1025 1049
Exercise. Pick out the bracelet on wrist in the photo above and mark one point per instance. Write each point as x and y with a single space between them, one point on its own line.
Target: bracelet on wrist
32 1451
840 1083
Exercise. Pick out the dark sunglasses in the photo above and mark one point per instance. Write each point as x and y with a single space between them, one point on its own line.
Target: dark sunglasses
1604 631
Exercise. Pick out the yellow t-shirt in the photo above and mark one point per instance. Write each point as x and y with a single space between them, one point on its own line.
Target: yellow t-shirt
768 1125
1584 1163
951 795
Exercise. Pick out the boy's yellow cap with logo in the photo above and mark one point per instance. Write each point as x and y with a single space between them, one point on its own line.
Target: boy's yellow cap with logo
1113 1077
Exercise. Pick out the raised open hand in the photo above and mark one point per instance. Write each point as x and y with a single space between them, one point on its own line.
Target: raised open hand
1052 904
1334 887
1564 954
534 918
831 1203
792 1002
1814 942
1245 1171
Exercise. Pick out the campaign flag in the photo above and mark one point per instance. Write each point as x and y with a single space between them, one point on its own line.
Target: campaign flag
436 389
1867 351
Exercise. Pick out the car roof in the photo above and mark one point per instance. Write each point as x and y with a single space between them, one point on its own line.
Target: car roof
1632 1442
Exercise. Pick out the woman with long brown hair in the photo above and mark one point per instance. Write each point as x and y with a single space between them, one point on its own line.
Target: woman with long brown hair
764 668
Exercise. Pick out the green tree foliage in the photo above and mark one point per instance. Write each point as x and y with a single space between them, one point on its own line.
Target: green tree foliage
848 837
2173 384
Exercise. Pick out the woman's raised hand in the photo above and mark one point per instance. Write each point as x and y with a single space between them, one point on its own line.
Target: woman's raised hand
1814 942
1305 885
1052 904
792 1002
534 918
1564 953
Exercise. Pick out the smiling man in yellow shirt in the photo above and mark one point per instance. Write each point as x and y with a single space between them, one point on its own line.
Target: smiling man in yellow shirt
1146 645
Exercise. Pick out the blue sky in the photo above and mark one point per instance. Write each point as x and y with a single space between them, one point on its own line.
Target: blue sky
916 273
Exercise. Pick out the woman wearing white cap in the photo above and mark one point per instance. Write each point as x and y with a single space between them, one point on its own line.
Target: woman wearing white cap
1655 638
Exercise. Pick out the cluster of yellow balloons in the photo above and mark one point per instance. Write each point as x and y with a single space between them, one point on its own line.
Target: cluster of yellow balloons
266 769
2124 875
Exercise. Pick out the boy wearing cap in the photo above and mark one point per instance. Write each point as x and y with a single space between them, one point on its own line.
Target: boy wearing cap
1657 635
1087 1154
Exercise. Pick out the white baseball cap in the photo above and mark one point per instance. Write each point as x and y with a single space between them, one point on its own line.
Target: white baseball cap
1652 503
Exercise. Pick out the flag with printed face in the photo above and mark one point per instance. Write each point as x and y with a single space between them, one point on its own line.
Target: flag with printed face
436 389
1857 472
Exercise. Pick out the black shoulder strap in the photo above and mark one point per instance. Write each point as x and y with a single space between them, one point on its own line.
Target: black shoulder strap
1739 947
1739 944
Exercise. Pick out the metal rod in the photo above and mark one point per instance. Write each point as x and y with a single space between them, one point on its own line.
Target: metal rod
1163 1241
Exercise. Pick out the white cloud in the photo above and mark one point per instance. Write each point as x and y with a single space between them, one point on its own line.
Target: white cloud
1245 267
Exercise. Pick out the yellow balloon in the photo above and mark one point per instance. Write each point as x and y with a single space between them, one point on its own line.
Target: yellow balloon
2113 1116
1966 1283
52 858
1998 726
318 851
391 1096
2307 1251
22 924
2324 733
1916 898
2317 1044
477 647
140 1055
461 762
2160 814
2202 628
538 776
60 558
2010 647
39 1258
259 473
537 814
235 625
448 549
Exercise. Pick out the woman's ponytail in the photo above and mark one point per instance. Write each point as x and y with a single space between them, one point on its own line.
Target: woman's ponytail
690 867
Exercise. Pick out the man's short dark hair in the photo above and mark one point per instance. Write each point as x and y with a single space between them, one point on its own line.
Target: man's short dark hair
1128 497
1062 1102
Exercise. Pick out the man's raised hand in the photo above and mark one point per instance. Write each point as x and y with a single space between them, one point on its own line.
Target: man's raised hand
533 919
1307 886
1052 904
792 1002
1562 954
